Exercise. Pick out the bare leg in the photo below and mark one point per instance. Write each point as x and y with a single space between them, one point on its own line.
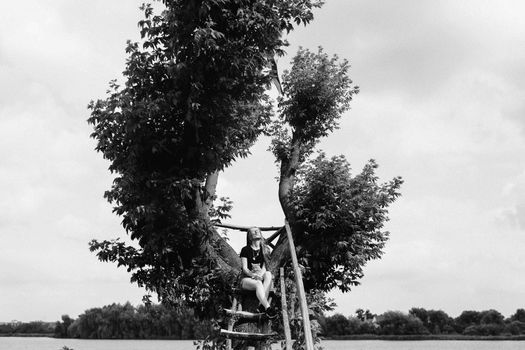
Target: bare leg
258 287
267 283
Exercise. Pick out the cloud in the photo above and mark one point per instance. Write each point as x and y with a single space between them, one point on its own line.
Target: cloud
51 179
441 104
512 214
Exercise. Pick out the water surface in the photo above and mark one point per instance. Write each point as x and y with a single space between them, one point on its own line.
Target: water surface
16 343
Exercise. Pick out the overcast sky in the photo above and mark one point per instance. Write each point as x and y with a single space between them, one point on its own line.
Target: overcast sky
441 104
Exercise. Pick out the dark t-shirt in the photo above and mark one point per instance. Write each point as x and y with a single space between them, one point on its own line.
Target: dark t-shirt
253 257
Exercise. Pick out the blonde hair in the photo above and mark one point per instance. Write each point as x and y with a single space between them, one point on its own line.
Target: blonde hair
264 248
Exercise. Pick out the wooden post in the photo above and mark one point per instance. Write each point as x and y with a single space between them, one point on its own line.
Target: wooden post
309 342
286 321
231 322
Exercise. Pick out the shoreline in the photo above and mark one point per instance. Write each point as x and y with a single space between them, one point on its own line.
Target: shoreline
425 337
28 335
443 337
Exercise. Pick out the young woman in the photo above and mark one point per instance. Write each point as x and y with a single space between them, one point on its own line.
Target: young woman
254 274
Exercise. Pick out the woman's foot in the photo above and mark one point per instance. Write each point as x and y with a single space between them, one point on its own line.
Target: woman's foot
261 309
270 312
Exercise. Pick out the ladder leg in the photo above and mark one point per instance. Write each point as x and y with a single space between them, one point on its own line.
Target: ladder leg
231 322
286 322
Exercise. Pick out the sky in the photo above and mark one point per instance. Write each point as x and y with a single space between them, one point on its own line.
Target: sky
441 104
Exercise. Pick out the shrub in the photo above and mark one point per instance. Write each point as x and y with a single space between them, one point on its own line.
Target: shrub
484 329
515 328
398 323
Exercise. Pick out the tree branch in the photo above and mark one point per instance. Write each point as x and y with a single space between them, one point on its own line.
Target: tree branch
210 188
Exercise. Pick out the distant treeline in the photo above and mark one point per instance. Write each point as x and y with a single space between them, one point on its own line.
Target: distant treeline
118 321
420 321
27 328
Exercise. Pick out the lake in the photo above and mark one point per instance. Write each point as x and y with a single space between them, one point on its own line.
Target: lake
16 343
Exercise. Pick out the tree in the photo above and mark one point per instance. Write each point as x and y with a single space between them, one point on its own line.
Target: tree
491 317
194 101
439 322
144 322
420 313
398 323
519 315
61 328
337 324
515 327
336 218
360 314
363 315
486 329
467 318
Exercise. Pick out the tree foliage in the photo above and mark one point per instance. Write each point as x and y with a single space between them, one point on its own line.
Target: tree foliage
420 321
491 316
316 91
338 324
467 318
436 321
117 321
61 328
340 217
336 218
519 315
396 322
33 327
193 101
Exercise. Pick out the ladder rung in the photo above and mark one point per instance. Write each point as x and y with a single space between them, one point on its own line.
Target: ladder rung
245 335
245 314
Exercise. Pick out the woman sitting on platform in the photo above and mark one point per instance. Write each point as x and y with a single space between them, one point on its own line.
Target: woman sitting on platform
254 274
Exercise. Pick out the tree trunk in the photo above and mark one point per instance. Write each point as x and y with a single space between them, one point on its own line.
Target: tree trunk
218 250
289 167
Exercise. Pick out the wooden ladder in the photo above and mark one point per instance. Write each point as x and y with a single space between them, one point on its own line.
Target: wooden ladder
262 337
249 328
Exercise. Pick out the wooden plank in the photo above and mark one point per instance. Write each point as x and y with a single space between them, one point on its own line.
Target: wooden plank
245 228
309 342
245 314
284 306
274 235
245 335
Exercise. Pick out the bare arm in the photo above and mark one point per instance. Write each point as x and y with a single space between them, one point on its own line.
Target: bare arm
244 262
247 272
